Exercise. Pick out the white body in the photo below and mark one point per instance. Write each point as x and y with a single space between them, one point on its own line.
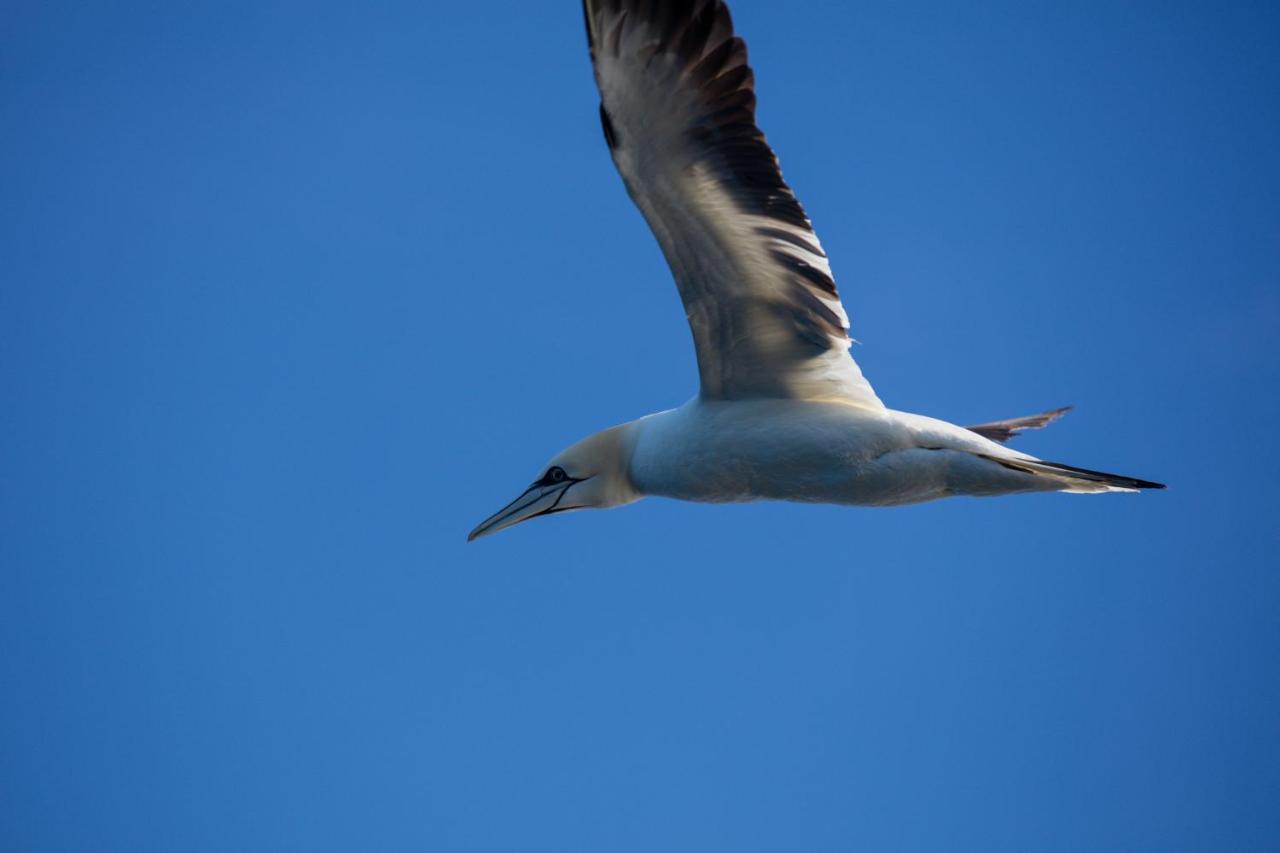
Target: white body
783 412
822 452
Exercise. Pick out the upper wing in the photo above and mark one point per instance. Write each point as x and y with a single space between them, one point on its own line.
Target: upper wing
678 109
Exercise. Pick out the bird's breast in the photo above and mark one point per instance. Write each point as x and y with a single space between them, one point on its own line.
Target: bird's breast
763 449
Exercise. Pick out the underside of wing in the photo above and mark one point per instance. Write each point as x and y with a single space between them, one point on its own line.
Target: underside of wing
678 111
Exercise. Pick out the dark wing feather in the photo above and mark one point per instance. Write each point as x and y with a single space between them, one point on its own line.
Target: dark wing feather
678 113
1002 431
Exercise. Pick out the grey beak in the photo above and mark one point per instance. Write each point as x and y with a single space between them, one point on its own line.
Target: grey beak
537 500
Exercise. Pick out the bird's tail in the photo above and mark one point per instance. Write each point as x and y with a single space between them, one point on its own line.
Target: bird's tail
1081 480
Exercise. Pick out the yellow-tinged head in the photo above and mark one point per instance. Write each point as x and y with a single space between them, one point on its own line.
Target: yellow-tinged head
590 474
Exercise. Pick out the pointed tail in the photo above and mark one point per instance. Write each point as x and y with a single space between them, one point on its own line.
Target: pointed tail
1075 479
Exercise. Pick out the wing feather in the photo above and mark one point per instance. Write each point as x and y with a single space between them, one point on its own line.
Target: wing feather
678 113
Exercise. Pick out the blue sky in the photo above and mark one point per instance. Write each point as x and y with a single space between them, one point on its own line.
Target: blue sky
295 294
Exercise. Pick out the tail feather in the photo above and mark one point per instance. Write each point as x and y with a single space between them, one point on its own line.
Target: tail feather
1002 431
1115 480
1079 479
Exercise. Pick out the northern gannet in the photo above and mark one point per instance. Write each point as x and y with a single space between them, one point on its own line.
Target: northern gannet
784 412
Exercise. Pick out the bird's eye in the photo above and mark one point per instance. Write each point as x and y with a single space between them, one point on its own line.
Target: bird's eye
557 475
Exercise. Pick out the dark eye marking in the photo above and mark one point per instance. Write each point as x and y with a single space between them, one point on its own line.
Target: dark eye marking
555 474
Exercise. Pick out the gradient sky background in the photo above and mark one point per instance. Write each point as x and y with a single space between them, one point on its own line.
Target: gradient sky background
295 294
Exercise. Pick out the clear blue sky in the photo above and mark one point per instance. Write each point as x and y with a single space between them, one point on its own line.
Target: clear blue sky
295 294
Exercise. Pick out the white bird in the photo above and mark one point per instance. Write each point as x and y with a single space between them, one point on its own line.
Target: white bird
783 412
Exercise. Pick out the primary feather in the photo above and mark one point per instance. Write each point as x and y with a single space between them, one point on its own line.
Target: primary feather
678 110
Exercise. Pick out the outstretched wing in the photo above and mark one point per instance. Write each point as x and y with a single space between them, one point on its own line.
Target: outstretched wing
678 109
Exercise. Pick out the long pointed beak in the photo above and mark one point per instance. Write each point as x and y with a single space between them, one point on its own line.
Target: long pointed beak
536 501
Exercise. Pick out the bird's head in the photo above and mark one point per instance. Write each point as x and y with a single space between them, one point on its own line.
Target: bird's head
589 474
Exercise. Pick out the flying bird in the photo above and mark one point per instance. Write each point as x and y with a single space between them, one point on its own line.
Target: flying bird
783 411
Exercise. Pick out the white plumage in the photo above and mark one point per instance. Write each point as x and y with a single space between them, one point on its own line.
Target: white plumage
783 411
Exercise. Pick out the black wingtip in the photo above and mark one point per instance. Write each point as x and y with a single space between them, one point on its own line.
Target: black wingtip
586 22
606 124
